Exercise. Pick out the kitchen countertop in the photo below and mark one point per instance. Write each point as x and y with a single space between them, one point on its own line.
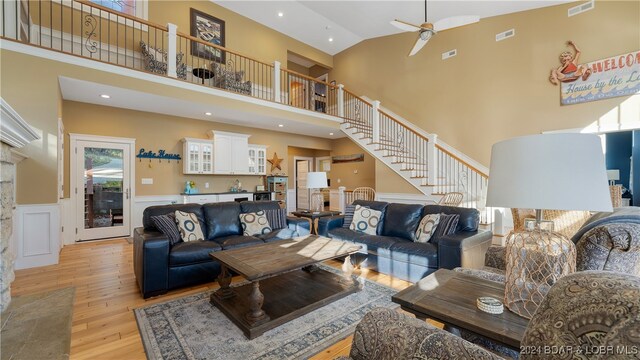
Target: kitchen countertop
220 193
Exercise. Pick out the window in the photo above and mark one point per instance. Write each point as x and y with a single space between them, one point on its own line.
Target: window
124 6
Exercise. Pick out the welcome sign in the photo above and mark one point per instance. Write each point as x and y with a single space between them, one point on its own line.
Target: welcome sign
610 77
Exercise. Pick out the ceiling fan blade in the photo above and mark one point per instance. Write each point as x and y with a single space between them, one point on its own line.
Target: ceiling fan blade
455 21
419 44
405 26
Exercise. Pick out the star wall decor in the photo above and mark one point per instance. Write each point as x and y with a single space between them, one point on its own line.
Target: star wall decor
275 162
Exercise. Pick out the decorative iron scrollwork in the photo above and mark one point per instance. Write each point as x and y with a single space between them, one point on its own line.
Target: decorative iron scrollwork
90 43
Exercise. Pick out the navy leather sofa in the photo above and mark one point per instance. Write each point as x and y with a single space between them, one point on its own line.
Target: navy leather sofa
393 250
160 267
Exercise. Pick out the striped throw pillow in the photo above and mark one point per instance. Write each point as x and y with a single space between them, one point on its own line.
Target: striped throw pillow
348 216
168 226
277 218
446 226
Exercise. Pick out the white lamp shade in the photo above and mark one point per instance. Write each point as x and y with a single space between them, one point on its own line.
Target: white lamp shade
317 180
613 174
549 171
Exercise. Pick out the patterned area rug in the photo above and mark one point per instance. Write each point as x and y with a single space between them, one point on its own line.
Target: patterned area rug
192 328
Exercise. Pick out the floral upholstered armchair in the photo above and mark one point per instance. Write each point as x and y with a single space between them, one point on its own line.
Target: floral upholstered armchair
226 78
155 61
565 321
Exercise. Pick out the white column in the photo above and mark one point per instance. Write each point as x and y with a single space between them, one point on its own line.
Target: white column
341 100
375 118
172 51
342 198
277 97
432 160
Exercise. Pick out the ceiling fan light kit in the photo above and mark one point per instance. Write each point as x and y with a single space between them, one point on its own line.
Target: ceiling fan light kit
427 29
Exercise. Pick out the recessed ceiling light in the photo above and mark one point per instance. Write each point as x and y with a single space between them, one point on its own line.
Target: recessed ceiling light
105 96
207 113
280 125
331 134
280 14
330 39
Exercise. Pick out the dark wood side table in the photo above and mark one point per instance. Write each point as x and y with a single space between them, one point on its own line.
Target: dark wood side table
450 297
313 217
203 74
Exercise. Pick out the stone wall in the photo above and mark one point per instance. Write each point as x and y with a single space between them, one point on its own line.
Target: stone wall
7 176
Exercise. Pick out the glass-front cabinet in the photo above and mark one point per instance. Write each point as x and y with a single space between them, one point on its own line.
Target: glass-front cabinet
257 159
197 156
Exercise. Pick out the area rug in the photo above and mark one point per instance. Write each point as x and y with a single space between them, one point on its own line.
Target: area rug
38 326
192 328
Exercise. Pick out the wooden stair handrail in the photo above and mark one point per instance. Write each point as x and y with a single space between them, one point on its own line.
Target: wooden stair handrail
117 13
482 174
222 48
307 77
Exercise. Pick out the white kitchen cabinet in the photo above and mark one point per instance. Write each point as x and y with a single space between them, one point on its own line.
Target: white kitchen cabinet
230 154
200 199
197 156
258 159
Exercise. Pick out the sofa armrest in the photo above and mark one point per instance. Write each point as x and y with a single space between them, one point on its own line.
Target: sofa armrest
329 222
464 249
151 261
385 334
300 225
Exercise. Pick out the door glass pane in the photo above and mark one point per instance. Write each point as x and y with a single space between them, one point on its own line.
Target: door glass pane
103 187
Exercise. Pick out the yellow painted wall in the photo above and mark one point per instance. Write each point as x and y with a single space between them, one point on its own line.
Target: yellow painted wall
344 174
491 90
156 131
297 68
242 34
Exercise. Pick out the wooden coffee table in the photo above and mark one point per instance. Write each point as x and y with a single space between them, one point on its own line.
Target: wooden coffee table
450 297
284 281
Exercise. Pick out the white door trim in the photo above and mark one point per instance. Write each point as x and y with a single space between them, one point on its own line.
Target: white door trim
74 138
295 174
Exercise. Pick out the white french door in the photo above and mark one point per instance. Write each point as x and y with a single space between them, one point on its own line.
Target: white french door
102 188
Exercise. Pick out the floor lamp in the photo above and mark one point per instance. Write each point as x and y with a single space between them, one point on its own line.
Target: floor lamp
315 182
551 172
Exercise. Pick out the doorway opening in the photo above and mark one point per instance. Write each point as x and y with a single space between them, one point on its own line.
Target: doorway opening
304 91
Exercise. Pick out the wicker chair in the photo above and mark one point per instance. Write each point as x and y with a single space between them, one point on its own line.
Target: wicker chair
566 223
155 61
616 195
363 193
451 199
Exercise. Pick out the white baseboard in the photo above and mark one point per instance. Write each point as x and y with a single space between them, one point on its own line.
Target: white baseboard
37 231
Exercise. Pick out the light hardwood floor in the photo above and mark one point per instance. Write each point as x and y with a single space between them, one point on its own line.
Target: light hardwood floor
104 326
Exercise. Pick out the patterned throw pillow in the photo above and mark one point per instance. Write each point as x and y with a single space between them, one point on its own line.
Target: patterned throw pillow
277 218
348 216
254 223
167 225
427 227
447 225
189 226
365 220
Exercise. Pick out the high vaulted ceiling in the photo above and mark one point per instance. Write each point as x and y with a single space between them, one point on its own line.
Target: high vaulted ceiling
349 22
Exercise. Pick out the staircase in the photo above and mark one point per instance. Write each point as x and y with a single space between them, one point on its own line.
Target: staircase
429 165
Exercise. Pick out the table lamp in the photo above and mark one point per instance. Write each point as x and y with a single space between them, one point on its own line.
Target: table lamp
316 181
552 172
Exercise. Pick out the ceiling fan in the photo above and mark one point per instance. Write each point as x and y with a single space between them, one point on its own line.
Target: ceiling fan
427 30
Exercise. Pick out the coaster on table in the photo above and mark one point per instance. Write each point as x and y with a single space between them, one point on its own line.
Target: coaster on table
490 305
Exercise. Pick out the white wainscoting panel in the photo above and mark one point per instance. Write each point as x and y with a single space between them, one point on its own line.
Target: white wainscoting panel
291 200
405 198
68 221
142 202
37 229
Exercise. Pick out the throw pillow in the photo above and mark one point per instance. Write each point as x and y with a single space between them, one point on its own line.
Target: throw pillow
447 225
167 225
365 220
348 216
254 223
427 227
277 218
189 226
